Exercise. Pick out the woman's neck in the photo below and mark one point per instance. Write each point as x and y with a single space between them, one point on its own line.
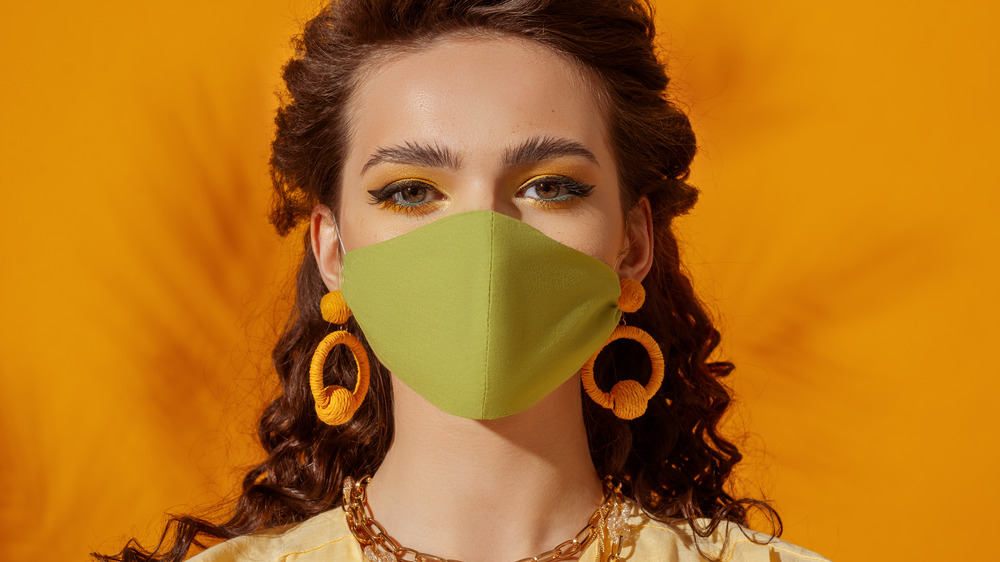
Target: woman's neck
489 490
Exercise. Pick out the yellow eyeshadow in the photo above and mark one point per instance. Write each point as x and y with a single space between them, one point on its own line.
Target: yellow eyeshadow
411 210
554 204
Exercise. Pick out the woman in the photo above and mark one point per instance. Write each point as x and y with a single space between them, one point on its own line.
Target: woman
489 188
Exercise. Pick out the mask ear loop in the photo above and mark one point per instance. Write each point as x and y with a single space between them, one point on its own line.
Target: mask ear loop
622 253
340 241
624 250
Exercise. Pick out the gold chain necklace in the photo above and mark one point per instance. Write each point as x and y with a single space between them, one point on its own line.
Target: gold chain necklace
609 524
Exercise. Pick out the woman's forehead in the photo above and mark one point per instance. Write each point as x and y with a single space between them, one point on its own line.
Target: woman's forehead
475 95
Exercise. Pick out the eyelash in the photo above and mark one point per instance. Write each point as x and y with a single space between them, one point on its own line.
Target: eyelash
575 190
385 197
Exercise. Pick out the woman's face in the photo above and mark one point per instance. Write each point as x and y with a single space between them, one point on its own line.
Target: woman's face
502 124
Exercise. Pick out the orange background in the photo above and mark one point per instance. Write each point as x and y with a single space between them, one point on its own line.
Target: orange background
846 240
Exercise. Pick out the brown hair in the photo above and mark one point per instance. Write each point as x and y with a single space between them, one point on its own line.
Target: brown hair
673 460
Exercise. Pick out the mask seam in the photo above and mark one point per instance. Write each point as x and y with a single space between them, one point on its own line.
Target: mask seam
489 309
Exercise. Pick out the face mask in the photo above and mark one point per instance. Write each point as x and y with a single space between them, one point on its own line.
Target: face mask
480 313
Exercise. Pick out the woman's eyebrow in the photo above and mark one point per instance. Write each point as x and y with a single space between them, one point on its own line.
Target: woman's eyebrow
540 149
531 151
414 154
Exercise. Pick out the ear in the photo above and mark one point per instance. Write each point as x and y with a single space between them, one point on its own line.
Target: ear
636 257
326 246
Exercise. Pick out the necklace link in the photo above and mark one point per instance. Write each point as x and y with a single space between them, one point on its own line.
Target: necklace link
608 524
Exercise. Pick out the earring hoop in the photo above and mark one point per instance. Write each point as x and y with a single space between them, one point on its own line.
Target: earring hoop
628 398
335 405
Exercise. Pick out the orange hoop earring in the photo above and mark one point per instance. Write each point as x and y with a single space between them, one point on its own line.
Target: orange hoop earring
335 405
628 399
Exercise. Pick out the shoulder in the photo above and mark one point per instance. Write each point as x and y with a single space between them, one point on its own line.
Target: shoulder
321 537
659 541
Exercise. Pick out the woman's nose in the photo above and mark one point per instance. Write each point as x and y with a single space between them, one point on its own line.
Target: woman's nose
485 196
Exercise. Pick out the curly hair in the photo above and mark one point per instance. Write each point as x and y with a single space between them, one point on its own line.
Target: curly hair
673 461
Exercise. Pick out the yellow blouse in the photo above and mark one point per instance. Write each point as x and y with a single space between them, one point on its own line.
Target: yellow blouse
325 537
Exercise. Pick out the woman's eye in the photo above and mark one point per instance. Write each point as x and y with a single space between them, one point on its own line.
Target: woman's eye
407 196
543 190
556 188
411 195
406 192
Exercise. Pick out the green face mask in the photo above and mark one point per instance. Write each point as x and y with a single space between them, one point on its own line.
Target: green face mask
480 313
